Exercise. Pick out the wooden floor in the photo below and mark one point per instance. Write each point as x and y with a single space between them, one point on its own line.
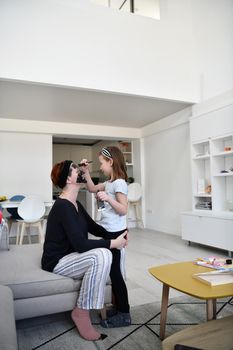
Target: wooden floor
149 248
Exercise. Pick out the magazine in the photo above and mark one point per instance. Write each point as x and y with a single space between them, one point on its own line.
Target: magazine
217 263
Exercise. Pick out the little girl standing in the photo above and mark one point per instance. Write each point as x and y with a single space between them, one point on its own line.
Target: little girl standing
113 218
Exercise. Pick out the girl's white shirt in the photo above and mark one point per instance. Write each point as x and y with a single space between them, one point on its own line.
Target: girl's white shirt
110 219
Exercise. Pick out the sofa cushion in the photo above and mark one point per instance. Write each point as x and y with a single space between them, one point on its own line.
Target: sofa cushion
8 339
20 270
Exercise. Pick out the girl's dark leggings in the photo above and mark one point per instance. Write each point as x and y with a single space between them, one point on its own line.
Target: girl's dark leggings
118 284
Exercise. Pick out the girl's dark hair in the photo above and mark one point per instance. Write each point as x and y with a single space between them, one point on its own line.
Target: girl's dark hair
119 166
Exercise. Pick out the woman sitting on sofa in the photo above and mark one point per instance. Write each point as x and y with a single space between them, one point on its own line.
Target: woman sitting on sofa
69 252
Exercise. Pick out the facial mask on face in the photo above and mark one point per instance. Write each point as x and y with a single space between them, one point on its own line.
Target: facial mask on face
80 178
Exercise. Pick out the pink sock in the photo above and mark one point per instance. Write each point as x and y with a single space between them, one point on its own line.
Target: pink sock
82 321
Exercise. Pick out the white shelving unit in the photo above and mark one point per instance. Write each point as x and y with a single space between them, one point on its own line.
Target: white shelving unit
201 175
222 170
127 150
212 167
211 220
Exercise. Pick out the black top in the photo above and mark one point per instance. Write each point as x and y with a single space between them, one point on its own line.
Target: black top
67 232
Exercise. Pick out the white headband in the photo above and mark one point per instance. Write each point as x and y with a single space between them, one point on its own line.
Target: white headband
105 152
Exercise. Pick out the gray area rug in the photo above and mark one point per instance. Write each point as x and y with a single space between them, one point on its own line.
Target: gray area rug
57 332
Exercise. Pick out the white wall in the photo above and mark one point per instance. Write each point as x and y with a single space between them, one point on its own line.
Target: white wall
74 152
26 163
76 43
187 55
167 177
213 42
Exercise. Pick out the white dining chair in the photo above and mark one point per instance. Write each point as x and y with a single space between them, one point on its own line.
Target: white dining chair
134 202
14 216
31 210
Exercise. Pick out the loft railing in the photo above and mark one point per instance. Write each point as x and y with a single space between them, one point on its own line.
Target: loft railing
148 8
131 4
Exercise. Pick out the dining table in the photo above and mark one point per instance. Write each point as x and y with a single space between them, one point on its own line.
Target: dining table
14 204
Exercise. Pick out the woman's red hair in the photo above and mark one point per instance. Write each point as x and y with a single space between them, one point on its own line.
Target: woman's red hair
56 172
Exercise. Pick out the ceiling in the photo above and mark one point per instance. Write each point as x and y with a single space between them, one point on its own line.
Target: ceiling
29 101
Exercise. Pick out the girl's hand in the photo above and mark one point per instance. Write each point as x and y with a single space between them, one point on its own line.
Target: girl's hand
102 195
85 165
120 241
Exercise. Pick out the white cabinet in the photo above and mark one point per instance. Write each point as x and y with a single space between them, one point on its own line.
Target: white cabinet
74 152
211 230
211 220
211 120
60 153
77 152
71 152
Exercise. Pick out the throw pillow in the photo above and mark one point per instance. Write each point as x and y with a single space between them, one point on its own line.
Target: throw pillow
4 235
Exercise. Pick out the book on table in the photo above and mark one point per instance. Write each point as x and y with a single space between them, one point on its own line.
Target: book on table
216 263
215 278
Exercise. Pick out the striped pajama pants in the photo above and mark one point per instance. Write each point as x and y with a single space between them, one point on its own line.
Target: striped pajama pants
93 267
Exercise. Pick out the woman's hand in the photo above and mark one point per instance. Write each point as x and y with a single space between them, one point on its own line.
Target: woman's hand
120 242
